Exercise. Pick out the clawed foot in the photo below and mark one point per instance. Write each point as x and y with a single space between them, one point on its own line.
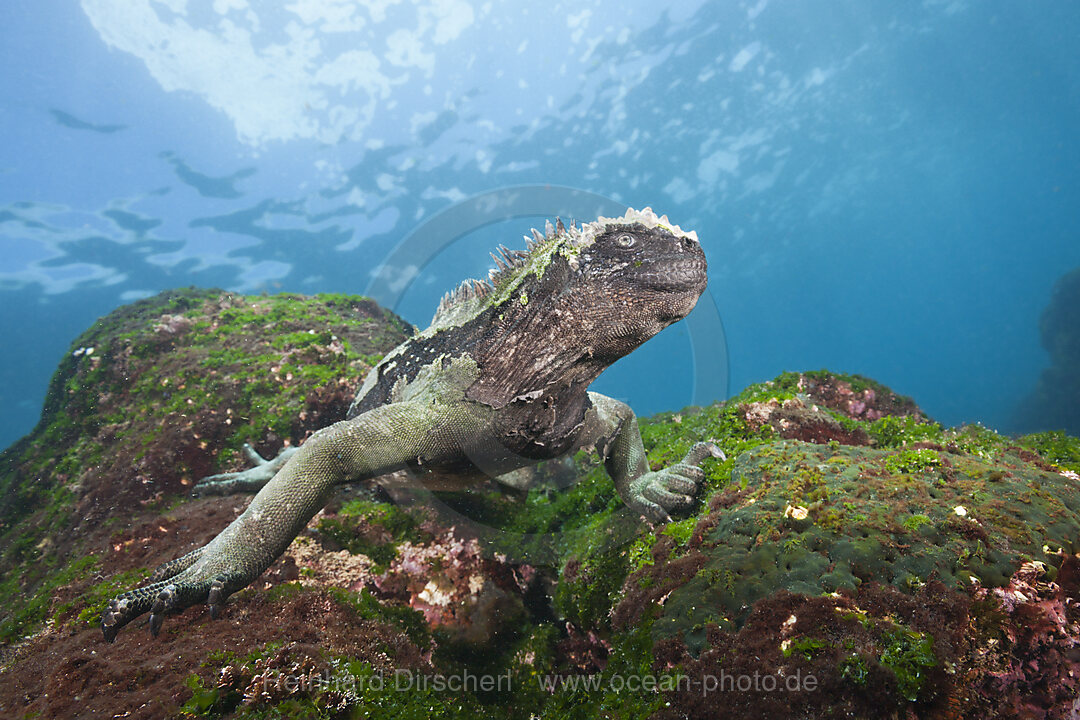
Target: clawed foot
167 597
244 481
238 555
656 494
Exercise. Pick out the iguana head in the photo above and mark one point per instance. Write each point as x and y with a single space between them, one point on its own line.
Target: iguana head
637 265
639 274
576 300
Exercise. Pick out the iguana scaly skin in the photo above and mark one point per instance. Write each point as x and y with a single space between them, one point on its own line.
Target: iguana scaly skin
499 381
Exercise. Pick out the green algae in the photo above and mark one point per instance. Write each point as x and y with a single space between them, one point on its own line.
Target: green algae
610 693
90 603
680 530
640 553
912 523
908 655
591 580
892 431
1055 447
805 646
886 645
855 670
912 461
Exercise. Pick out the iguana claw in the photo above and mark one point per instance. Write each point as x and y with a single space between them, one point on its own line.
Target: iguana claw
656 494
167 597
216 597
110 617
198 575
165 603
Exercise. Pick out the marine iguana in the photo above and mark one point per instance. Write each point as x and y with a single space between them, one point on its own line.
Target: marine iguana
498 382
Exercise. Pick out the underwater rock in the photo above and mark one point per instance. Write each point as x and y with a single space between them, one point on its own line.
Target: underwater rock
1054 402
804 416
923 529
849 548
880 652
902 517
857 397
152 397
792 418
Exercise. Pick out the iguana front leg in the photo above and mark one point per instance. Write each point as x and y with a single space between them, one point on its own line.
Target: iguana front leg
382 440
611 427
244 481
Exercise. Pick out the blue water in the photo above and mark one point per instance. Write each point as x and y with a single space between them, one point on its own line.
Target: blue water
882 188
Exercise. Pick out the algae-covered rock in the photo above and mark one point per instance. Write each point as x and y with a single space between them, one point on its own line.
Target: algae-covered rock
159 393
918 570
815 520
849 558
148 400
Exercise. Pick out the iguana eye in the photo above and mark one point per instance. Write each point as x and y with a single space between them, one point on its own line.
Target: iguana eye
625 241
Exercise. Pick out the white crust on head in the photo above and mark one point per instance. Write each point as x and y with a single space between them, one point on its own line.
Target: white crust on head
587 233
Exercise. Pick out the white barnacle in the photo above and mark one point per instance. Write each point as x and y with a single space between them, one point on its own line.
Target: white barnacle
797 512
1033 566
432 594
